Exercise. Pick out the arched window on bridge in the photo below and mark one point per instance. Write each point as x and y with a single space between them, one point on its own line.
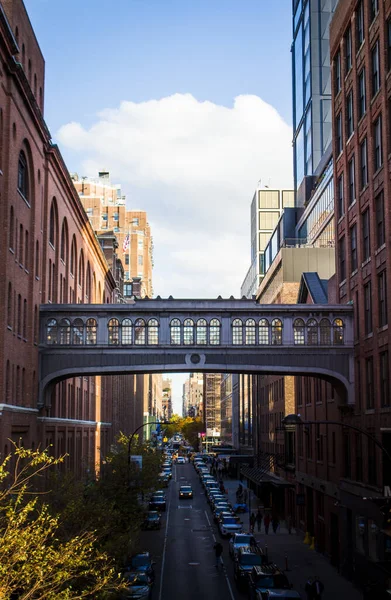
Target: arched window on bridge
214 332
325 332
175 332
237 332
51 332
77 332
338 331
127 332
153 332
188 332
91 330
139 332
299 331
201 332
113 329
312 332
65 332
277 332
263 331
250 332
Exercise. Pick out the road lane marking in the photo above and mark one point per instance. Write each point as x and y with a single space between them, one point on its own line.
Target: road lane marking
222 562
164 550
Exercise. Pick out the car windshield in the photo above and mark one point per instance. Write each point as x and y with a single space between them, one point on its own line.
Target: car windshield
140 561
245 540
185 488
229 521
251 559
153 516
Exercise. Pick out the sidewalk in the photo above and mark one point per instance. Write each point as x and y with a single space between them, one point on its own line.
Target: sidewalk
302 562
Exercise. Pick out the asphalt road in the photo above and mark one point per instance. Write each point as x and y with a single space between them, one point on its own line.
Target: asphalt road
183 548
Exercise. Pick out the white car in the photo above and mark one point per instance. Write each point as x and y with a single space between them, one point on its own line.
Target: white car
241 540
180 460
229 525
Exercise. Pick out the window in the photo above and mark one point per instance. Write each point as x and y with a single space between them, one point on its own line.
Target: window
188 332
127 259
52 225
351 182
384 380
12 229
175 332
91 329
64 331
363 164
214 332
375 69
340 196
362 102
153 332
21 245
140 259
338 328
19 321
380 224
389 44
342 259
139 332
64 242
382 298
338 134
115 216
51 332
374 9
337 73
263 331
299 331
312 332
360 23
78 333
277 332
349 115
237 332
23 185
368 308
250 332
127 332
369 382
348 50
366 242
201 332
9 306
113 327
325 332
378 154
353 248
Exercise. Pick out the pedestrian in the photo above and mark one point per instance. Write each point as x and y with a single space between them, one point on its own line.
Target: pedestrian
218 548
309 589
252 522
266 522
275 524
259 519
318 588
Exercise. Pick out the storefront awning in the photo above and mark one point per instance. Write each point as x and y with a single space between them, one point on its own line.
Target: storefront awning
258 476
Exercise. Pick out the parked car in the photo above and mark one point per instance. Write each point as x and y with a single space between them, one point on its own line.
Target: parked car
275 594
157 502
152 520
241 540
180 460
164 479
185 491
219 509
229 525
139 586
266 577
142 562
246 559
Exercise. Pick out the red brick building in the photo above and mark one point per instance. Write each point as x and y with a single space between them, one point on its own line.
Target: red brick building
48 253
360 51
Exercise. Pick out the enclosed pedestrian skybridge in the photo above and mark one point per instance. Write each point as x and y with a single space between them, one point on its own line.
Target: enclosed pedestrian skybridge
219 336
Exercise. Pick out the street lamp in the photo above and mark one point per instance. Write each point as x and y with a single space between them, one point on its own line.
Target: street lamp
138 429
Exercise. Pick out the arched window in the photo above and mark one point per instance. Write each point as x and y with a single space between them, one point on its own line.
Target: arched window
91 331
338 327
277 332
26 250
73 257
36 323
188 332
237 332
214 332
52 223
12 229
81 269
113 328
127 332
37 258
35 85
9 306
64 242
8 382
325 332
51 332
24 330
64 329
19 328
201 332
78 332
88 283
139 332
21 245
23 176
175 332
263 331
250 332
299 331
153 332
312 332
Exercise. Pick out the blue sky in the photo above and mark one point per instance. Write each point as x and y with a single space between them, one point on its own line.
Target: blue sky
188 104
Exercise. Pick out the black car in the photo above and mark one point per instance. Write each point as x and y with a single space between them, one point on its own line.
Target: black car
142 562
152 520
185 491
157 502
246 559
266 577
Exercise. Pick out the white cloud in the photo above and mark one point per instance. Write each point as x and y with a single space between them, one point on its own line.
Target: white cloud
193 166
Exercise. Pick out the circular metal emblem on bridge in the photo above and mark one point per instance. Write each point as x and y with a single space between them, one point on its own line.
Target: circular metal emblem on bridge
195 359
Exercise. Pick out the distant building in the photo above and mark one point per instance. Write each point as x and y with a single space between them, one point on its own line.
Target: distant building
193 396
212 404
167 399
226 408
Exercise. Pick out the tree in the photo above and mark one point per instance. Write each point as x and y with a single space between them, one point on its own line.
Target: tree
34 562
